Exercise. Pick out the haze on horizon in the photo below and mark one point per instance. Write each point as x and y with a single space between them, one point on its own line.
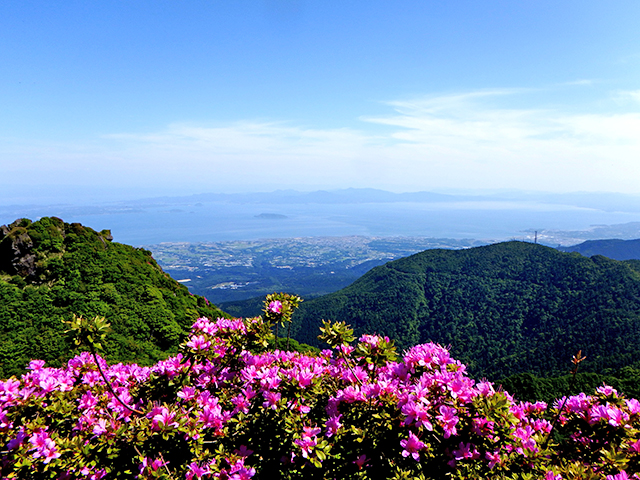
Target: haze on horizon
111 100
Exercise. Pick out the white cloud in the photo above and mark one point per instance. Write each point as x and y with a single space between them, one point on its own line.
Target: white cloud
468 140
585 81
467 137
624 96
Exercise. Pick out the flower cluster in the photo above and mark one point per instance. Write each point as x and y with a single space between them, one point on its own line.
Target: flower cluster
224 408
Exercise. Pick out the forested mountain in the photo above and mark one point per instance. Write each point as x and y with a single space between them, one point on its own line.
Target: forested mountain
504 308
51 270
612 248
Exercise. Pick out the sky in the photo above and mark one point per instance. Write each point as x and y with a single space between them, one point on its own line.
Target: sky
126 99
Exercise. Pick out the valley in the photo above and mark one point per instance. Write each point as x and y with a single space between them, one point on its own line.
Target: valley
310 266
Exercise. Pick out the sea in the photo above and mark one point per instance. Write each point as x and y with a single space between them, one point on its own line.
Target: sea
140 224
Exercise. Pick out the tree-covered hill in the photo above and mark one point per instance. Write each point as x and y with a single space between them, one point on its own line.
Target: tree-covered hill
506 308
612 248
51 270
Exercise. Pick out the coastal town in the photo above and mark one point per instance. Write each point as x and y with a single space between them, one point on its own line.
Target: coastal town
236 270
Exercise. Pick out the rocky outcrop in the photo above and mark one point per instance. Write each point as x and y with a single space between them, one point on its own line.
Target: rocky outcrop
27 247
16 249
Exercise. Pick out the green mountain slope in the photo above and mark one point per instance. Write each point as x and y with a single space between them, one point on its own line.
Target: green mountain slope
612 248
50 270
504 309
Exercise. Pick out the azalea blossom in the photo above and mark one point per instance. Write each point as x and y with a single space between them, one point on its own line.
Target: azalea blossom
411 446
275 306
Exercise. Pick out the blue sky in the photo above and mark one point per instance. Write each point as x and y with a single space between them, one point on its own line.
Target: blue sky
123 99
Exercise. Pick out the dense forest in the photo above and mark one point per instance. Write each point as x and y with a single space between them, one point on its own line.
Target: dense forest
51 270
613 248
505 309
514 312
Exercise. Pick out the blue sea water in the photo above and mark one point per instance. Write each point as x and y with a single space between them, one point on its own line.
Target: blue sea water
218 221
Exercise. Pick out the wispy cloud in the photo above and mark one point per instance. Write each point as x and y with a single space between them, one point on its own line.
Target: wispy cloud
476 139
584 81
628 95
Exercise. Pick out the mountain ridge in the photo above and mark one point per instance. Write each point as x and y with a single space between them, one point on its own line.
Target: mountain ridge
51 270
614 248
504 308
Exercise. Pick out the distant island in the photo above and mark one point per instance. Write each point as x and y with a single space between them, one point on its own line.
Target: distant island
271 216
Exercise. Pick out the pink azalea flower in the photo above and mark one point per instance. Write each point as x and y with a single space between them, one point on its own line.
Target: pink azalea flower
333 425
306 444
16 442
494 458
418 413
163 419
633 405
187 393
621 476
197 471
463 452
87 401
239 472
412 446
608 391
271 400
199 342
448 419
153 465
275 306
100 427
44 446
635 447
372 340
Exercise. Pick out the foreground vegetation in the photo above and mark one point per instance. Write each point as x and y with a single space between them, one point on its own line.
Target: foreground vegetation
227 407
505 309
50 270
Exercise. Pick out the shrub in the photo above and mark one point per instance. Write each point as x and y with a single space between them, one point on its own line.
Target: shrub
227 407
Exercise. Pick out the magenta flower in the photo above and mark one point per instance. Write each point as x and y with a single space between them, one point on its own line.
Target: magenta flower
187 393
303 376
308 440
607 390
372 340
44 447
524 435
633 405
197 471
87 401
463 452
493 458
449 420
199 342
621 476
153 465
271 400
275 306
100 427
412 446
333 425
239 472
16 442
635 447
417 413
163 418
